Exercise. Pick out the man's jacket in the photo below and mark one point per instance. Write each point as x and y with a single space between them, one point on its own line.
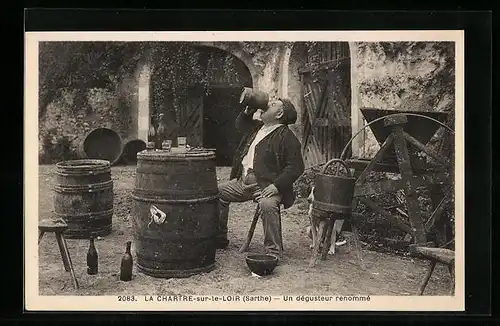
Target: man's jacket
277 160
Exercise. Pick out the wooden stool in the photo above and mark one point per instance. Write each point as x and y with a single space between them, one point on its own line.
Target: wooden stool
326 237
249 237
437 255
58 227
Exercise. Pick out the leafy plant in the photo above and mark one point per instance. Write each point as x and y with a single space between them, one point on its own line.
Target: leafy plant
85 65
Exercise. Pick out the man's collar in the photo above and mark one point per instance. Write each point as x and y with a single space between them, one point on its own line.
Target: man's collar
273 125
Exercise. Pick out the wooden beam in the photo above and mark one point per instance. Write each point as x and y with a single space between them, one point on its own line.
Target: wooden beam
385 146
428 151
412 204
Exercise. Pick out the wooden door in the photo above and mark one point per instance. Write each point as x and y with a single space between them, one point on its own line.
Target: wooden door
326 99
220 109
191 117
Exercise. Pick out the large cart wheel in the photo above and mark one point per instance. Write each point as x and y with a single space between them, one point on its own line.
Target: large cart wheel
404 137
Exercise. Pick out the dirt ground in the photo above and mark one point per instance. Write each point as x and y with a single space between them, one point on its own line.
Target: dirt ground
385 274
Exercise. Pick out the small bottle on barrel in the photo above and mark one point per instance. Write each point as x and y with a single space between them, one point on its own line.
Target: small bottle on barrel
151 130
126 265
92 258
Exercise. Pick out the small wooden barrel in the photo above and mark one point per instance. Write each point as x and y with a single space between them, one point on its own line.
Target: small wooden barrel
175 217
84 197
333 193
254 98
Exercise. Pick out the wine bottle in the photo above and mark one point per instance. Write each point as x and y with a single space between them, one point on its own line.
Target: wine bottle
151 130
160 130
92 258
126 266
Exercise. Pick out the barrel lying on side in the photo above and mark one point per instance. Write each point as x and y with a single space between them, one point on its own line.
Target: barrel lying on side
84 197
130 150
176 213
101 144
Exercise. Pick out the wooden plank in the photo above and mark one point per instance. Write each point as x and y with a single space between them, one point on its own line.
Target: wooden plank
324 114
307 113
304 113
313 100
307 105
192 117
311 114
312 153
319 112
327 113
311 149
331 141
336 134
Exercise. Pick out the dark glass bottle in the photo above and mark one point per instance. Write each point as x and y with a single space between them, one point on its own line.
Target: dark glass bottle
152 130
160 131
127 263
92 258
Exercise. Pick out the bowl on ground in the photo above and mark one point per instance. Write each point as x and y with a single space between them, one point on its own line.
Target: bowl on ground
261 264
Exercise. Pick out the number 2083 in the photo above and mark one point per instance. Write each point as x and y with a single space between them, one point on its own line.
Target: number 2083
126 298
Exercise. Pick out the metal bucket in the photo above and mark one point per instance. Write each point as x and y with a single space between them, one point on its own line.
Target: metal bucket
333 194
254 98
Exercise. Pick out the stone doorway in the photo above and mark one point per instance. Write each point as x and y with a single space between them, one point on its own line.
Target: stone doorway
207 114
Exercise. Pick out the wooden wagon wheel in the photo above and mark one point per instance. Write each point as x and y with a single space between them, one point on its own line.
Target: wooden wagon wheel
410 181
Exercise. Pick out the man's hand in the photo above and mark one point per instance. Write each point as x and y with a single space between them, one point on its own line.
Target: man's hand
250 111
269 191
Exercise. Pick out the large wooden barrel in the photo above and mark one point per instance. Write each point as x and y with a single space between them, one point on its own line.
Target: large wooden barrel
84 197
101 144
175 215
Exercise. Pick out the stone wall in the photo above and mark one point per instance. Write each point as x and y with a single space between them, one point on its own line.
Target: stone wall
407 75
263 60
74 114
414 76
126 109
